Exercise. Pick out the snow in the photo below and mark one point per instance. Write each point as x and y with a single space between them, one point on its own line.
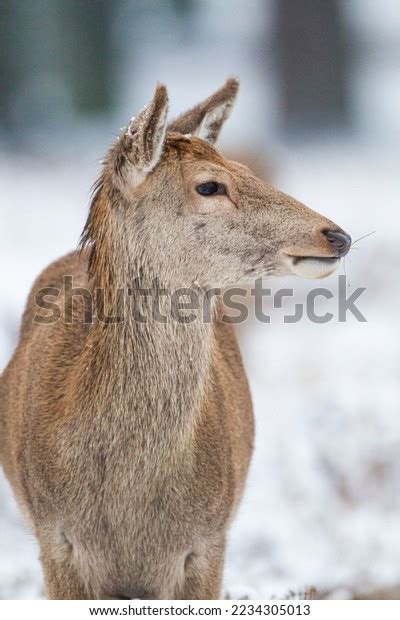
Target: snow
322 503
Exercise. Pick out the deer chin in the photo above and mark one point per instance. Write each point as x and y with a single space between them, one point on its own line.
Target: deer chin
312 266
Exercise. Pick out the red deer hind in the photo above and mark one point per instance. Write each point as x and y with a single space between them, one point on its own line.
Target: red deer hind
127 442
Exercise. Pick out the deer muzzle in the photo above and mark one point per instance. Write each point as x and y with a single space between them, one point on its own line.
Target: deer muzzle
335 242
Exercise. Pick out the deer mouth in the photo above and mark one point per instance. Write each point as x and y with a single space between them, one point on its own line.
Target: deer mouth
313 266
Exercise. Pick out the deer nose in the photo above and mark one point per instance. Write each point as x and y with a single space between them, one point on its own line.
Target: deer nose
341 241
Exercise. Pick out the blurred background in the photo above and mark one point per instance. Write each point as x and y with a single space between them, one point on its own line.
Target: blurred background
319 116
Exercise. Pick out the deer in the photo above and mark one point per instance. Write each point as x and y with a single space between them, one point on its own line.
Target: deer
127 443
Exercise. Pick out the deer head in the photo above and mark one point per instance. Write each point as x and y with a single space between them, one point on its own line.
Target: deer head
168 199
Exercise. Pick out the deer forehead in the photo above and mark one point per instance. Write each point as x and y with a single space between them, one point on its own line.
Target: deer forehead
199 158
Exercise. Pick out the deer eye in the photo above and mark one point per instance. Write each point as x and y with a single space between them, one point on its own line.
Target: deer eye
210 188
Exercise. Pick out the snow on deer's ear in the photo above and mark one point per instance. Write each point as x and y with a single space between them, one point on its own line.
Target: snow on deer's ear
142 143
205 120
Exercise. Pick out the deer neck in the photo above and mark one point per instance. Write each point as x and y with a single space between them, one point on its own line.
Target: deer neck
149 370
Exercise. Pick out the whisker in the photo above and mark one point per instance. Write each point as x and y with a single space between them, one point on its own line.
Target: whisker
344 271
363 237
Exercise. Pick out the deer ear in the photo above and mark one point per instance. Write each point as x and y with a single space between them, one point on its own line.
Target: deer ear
140 147
206 119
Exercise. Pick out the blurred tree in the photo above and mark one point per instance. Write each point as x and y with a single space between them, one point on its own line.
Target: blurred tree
56 58
183 6
87 52
313 64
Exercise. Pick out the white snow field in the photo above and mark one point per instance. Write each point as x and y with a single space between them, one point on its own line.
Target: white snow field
322 503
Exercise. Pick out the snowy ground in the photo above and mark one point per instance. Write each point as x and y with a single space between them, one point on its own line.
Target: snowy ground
322 505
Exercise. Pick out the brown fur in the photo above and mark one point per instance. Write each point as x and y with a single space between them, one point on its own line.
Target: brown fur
127 444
